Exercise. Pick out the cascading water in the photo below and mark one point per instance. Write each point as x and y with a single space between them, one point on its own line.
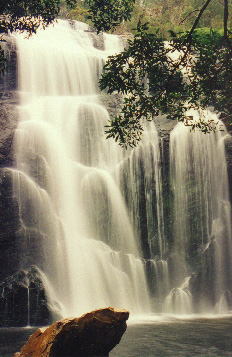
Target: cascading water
141 183
202 219
71 208
92 214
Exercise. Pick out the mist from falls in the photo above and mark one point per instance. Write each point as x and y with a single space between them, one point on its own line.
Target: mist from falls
92 213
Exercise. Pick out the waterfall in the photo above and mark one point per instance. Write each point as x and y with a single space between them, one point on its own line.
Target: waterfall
202 214
100 224
77 228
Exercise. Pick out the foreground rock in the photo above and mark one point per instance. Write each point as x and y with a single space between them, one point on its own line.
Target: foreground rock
93 334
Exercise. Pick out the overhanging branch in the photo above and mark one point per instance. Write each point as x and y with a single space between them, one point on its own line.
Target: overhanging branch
192 12
226 14
188 40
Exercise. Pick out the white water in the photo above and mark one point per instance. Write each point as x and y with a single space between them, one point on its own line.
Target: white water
179 300
143 186
88 209
202 221
70 204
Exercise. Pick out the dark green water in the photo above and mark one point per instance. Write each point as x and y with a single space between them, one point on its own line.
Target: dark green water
200 337
157 338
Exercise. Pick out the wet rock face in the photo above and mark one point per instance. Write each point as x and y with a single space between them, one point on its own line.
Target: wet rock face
9 212
9 225
228 148
93 334
164 128
23 301
9 99
9 82
9 117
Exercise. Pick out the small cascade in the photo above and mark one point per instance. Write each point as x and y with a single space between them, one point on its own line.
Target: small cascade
141 184
101 194
202 213
224 304
159 283
28 306
76 226
179 300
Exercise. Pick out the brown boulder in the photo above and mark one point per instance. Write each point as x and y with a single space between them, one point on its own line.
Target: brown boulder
93 334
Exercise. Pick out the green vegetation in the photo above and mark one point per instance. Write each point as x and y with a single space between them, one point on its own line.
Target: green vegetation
26 15
165 15
154 82
79 12
179 15
151 80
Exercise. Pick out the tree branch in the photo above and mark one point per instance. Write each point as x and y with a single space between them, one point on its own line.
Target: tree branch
226 14
188 16
188 40
225 20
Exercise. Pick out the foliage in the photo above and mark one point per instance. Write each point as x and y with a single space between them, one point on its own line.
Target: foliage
165 15
106 14
164 78
28 16
143 74
79 13
214 85
25 15
175 15
151 80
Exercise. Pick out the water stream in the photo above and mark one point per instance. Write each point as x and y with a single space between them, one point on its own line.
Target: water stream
65 180
202 217
93 213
